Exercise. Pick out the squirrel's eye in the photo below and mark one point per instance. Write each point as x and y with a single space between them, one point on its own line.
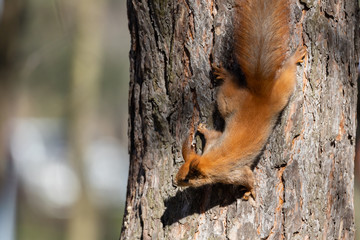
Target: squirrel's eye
186 180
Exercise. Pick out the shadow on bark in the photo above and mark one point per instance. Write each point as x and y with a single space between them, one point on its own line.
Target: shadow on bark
198 200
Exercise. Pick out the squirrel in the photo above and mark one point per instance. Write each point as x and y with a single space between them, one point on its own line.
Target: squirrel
261 34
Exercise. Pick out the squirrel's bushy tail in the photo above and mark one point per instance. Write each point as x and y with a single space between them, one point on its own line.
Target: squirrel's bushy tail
261 39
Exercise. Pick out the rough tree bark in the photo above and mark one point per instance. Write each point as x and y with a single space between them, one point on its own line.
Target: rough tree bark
304 177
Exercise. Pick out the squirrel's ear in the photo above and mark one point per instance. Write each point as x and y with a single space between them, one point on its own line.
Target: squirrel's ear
194 170
188 149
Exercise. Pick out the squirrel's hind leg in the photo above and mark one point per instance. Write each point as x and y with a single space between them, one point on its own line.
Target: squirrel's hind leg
285 83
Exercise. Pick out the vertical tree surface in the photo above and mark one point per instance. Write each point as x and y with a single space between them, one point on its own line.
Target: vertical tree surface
304 177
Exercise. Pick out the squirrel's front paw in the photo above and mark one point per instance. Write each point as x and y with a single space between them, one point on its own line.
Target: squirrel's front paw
219 71
201 128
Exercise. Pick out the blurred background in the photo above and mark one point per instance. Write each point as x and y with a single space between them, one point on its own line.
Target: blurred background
64 76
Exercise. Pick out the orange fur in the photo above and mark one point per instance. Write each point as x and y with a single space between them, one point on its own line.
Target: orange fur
261 34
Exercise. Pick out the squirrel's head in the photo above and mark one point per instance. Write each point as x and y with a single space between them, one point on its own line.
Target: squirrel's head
190 174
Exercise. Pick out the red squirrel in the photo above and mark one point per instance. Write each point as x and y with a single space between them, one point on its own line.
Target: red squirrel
261 36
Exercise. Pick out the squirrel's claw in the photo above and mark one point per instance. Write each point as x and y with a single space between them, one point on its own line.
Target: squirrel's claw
300 54
249 194
201 128
219 71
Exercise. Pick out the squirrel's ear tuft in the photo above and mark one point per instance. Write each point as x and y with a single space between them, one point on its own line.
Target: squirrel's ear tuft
194 171
189 174
181 178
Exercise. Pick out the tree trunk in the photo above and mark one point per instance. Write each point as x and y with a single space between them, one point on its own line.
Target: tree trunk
304 177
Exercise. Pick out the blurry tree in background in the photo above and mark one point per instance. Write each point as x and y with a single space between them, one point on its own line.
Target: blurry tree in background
84 97
10 16
68 71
